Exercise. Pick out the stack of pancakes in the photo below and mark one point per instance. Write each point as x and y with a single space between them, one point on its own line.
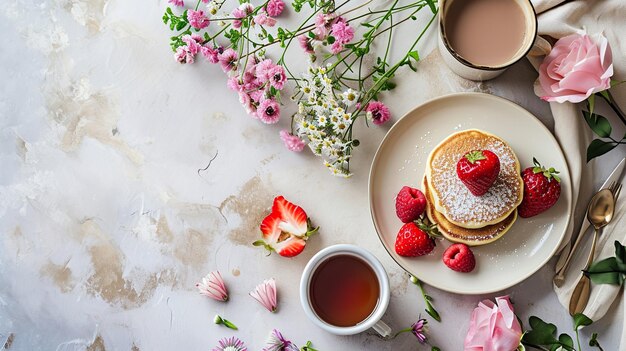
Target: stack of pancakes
461 216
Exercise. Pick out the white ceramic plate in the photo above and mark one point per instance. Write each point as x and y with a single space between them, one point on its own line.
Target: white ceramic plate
400 160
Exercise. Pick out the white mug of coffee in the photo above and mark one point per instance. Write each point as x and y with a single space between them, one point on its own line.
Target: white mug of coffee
479 39
344 290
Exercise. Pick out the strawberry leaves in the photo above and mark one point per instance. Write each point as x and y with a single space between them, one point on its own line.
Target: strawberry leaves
548 173
474 156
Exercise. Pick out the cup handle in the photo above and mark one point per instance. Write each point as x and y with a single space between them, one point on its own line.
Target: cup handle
382 328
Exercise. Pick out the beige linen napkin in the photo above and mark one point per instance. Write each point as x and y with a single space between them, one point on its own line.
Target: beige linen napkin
558 18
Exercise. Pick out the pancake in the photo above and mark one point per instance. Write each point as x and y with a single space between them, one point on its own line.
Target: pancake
471 237
453 199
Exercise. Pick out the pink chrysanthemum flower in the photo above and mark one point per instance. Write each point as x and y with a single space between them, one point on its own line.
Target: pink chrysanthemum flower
228 59
192 43
257 95
183 55
342 32
265 292
277 76
248 104
336 47
241 12
306 44
234 84
264 20
213 286
377 112
176 2
210 53
277 342
275 7
292 142
237 13
230 344
268 111
197 19
263 70
324 23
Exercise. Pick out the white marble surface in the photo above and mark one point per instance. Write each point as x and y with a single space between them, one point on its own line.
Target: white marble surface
106 223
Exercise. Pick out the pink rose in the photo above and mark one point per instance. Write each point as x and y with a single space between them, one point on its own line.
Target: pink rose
493 327
578 66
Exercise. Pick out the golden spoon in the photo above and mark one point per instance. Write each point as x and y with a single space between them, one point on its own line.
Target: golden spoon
599 214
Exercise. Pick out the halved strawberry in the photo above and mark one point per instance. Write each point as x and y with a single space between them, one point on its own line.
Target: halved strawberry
294 219
286 229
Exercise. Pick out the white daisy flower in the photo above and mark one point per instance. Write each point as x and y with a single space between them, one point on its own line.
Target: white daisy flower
340 127
322 120
349 97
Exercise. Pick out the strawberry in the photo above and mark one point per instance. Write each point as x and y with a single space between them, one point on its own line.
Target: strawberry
478 170
460 258
416 239
286 229
542 188
410 204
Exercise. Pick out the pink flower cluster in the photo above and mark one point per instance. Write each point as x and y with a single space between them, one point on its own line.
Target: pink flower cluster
194 45
254 86
328 24
343 34
197 19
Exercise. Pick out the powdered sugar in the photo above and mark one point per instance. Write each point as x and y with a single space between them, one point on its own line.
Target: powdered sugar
456 201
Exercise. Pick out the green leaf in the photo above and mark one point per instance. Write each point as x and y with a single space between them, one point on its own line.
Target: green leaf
542 333
580 320
598 148
308 347
599 124
180 25
166 18
311 34
611 270
270 38
566 341
594 341
414 55
330 39
620 253
433 312
432 6
591 101
229 324
435 348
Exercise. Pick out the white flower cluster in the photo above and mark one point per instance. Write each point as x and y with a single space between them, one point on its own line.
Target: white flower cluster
323 119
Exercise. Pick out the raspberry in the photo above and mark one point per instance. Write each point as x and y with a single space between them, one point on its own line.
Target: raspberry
410 204
460 258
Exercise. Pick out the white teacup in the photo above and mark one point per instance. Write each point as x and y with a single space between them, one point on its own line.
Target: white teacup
477 72
373 320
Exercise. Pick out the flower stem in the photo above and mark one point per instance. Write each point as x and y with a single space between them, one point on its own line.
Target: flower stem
608 97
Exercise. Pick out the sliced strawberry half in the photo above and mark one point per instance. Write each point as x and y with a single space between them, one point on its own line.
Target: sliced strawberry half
286 229
294 219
